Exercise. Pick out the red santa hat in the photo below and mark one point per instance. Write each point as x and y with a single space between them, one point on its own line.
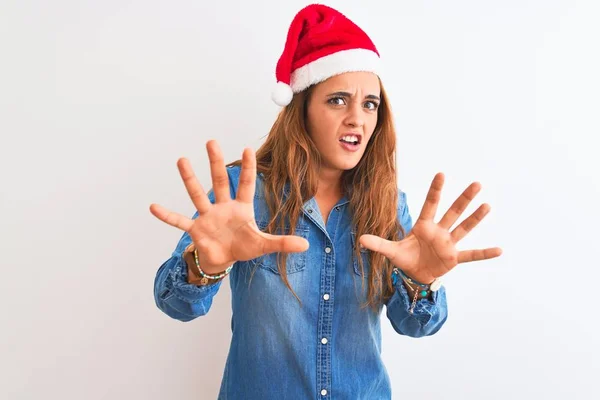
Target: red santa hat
321 43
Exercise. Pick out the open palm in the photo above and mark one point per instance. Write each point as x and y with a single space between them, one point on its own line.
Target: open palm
429 250
226 231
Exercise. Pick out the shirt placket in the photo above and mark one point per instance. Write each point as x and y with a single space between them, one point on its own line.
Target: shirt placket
325 327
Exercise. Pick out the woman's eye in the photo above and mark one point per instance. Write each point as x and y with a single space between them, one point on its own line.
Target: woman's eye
371 105
338 101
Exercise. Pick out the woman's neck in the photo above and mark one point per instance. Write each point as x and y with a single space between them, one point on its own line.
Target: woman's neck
330 184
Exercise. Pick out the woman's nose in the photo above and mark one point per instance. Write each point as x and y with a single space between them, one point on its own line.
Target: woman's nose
354 117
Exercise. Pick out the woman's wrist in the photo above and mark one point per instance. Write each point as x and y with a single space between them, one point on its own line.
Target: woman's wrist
420 290
194 276
206 275
412 289
415 279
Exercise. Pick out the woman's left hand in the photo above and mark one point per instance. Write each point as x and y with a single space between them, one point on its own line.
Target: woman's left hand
429 250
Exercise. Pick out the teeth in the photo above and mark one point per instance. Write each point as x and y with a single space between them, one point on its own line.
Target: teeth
350 139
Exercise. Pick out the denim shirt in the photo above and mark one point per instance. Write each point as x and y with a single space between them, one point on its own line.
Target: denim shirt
326 349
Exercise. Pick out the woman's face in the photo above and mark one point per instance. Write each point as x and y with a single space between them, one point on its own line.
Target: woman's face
343 105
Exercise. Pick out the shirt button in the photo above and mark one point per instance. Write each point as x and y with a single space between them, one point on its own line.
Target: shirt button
324 340
327 250
310 210
337 208
326 296
323 392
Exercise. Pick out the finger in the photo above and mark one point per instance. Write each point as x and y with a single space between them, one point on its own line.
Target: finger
218 172
468 224
477 255
283 243
460 205
171 218
380 245
433 197
193 187
247 182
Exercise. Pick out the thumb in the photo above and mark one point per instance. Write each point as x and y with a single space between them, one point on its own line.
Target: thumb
283 243
378 244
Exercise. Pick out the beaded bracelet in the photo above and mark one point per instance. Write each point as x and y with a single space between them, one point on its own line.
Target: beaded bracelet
422 291
205 276
410 282
433 286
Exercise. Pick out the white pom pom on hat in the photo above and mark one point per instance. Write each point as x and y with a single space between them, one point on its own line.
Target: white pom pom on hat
282 94
321 42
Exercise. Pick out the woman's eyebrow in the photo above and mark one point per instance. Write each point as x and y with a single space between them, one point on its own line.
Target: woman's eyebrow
346 94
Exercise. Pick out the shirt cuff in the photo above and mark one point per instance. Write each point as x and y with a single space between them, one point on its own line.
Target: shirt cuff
424 308
186 291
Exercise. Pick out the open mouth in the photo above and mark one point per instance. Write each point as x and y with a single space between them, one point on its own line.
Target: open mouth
350 142
351 139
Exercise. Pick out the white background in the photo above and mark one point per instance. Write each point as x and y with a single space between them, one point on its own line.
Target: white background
98 100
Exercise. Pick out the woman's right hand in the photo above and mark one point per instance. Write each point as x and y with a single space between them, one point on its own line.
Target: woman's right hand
226 231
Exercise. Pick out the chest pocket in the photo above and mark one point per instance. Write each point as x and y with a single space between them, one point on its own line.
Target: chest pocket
364 254
296 262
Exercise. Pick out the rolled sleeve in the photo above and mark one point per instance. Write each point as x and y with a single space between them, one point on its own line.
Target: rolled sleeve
427 317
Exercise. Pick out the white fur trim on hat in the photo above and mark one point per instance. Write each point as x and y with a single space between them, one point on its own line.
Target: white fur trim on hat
337 63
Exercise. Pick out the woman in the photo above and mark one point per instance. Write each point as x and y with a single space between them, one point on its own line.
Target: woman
297 225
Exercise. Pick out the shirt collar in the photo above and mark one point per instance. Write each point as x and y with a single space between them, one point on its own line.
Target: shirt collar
286 190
